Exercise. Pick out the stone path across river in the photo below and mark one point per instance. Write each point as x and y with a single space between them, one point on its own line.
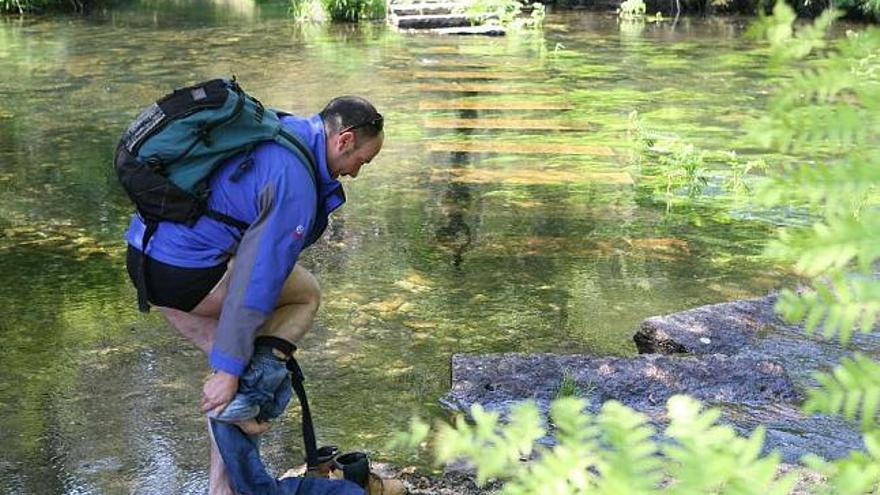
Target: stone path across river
439 17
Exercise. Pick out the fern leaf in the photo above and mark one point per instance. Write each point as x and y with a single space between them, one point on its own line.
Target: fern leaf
629 463
856 474
845 306
834 245
856 381
708 458
830 184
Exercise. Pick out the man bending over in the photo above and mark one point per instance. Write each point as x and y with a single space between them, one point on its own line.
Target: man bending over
240 296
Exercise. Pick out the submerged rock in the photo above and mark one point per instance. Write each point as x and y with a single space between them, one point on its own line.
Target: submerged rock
737 356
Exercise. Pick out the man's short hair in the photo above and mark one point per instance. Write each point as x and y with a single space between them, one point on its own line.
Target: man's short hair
352 113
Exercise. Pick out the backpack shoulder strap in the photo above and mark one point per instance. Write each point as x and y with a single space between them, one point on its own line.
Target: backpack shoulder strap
296 144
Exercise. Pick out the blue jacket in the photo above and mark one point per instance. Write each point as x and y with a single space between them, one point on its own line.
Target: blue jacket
277 197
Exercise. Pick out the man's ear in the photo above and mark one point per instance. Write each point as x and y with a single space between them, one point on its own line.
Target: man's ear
345 141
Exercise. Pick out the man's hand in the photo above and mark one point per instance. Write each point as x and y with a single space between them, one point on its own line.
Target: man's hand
218 391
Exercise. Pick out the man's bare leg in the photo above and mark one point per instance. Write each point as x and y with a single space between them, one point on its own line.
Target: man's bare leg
296 308
199 327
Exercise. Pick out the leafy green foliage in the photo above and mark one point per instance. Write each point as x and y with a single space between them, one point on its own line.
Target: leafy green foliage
831 110
853 390
855 475
677 170
353 10
497 451
616 451
714 459
25 6
412 439
839 305
738 182
685 168
307 10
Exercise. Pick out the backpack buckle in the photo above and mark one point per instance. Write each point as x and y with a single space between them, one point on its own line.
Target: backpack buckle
154 163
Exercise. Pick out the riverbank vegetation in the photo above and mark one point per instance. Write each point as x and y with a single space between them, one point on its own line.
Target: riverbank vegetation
39 6
337 10
354 10
829 112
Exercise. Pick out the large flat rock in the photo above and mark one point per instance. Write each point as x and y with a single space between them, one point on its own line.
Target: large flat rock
737 356
431 21
750 392
643 383
485 30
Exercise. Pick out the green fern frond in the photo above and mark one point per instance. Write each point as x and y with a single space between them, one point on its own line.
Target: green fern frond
837 124
630 463
857 474
822 85
831 246
708 458
824 184
852 389
789 43
842 308
498 449
565 467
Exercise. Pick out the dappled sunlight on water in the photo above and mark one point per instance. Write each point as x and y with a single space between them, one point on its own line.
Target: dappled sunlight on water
507 213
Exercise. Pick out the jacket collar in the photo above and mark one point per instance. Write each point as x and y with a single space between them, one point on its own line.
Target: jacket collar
311 130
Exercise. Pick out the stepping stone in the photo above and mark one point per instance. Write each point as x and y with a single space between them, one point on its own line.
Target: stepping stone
432 21
487 30
423 8
549 245
440 49
530 177
469 104
518 124
486 88
526 148
469 75
441 63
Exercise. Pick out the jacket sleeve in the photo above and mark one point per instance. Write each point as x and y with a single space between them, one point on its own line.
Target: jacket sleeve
265 258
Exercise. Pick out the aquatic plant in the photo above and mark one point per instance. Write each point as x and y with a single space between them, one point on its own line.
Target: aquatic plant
632 9
740 171
337 10
307 10
678 171
568 387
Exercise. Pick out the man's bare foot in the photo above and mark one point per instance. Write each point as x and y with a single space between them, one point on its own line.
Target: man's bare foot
252 427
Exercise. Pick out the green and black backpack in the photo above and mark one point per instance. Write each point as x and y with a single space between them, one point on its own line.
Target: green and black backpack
167 155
